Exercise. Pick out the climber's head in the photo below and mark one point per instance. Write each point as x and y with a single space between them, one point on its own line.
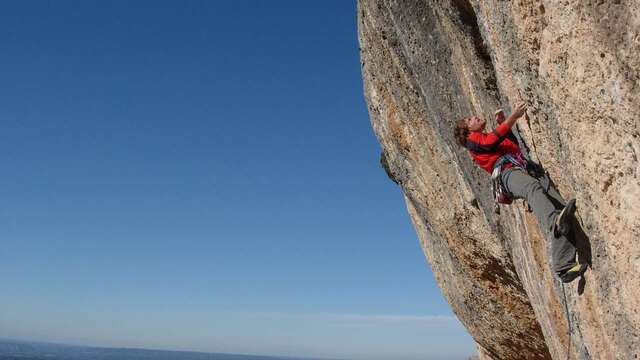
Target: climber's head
466 126
475 123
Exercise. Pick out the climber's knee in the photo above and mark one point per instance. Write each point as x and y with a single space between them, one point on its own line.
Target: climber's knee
534 188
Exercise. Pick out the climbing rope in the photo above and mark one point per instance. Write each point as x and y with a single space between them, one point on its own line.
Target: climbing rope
564 294
527 150
533 142
566 312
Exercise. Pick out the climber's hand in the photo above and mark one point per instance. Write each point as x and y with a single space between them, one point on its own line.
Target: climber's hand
499 114
520 110
516 114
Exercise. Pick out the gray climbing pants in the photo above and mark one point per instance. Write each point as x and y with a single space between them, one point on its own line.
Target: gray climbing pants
546 206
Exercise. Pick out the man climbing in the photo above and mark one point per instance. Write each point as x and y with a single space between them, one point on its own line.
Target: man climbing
498 153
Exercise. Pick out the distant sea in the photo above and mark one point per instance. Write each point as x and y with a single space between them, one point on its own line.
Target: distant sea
26 350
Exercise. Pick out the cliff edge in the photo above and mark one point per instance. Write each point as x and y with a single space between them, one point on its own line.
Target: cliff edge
576 63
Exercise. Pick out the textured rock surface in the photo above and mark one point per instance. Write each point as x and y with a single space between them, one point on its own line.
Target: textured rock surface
426 64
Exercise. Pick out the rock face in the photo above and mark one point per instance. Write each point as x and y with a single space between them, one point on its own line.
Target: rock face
576 63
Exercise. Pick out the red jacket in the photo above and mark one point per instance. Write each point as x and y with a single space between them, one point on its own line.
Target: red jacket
486 148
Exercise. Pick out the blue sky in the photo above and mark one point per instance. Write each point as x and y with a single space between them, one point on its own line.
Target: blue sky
202 175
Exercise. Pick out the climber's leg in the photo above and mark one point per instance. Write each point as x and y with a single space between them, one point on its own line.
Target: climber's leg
523 186
556 198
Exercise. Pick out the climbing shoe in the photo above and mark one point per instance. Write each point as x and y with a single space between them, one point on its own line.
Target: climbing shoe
571 274
563 221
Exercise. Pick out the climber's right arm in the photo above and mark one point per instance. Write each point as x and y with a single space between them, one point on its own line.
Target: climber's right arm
481 142
503 129
520 109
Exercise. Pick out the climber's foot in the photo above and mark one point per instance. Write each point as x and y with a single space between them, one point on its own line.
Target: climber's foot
563 220
573 273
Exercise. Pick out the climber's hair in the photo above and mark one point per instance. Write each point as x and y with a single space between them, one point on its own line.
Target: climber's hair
461 131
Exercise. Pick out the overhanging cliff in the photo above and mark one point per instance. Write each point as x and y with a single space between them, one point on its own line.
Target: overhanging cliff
426 64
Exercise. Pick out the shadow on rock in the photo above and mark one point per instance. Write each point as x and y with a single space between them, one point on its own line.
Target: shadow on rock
583 247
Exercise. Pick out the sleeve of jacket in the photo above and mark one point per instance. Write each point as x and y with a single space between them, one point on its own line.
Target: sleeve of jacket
483 143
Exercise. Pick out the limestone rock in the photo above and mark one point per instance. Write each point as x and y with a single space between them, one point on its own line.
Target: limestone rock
576 63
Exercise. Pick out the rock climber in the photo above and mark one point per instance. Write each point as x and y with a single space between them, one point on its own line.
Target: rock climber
499 154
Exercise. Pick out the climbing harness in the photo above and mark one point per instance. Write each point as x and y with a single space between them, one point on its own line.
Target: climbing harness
500 194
